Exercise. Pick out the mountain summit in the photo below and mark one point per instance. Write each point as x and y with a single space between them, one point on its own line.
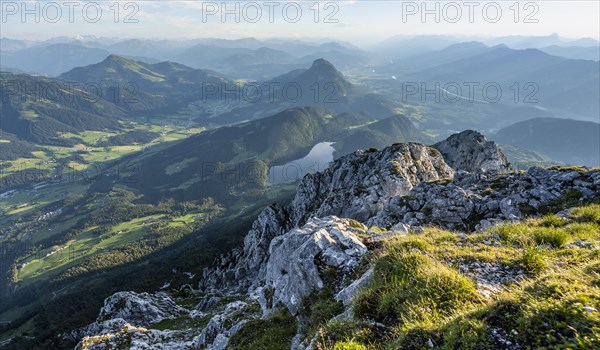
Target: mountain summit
324 76
322 61
145 86
301 265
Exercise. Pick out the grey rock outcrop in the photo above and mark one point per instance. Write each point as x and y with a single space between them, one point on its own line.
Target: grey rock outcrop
131 309
297 258
215 335
470 151
116 335
124 319
356 186
237 270
474 201
141 309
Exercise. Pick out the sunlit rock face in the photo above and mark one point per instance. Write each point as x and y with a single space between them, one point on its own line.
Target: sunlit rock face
470 151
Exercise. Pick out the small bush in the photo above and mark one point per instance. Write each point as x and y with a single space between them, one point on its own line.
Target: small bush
527 209
355 224
499 184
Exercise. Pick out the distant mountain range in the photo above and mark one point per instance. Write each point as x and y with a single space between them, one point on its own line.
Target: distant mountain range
529 77
563 140
574 52
158 87
128 87
251 58
134 87
53 59
245 61
244 58
35 110
525 41
402 46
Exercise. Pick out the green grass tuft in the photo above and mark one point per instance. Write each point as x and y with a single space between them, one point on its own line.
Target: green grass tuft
532 261
411 286
349 346
590 213
274 333
549 236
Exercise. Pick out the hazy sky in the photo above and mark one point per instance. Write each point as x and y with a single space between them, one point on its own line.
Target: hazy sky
361 22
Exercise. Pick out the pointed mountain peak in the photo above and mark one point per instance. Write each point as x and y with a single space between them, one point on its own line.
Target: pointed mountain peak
322 62
322 67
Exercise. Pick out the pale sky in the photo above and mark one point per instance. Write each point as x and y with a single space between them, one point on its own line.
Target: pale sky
361 22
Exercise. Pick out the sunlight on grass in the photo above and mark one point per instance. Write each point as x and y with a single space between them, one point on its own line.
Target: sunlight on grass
424 299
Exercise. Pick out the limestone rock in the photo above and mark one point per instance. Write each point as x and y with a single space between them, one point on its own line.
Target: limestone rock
470 151
139 309
297 257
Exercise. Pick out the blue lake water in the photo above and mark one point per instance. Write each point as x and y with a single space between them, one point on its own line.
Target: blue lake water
317 159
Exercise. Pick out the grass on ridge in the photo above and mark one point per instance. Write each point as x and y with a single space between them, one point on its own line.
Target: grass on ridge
421 296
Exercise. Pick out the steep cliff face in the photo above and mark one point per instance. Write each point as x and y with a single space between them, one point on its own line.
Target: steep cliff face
240 268
291 251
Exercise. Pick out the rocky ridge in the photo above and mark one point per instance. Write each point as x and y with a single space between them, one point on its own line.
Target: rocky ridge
478 200
291 249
